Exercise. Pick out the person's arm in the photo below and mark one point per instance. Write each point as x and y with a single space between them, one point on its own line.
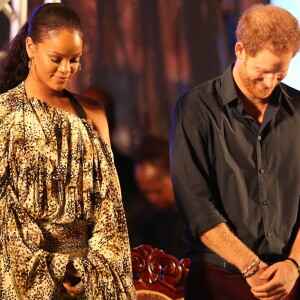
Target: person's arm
107 268
281 276
29 270
106 271
196 196
295 252
226 244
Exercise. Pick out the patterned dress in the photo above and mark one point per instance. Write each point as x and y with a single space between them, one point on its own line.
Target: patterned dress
60 201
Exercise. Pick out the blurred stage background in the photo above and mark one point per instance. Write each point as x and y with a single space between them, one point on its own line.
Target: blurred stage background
146 53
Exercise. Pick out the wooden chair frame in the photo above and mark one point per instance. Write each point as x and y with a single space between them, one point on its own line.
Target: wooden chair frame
157 271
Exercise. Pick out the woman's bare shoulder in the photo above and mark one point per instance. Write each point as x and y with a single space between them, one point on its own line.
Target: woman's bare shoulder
89 102
96 114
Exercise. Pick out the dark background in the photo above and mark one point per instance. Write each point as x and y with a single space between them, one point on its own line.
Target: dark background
146 53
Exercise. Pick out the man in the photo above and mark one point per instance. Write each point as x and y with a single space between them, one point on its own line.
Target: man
235 167
160 224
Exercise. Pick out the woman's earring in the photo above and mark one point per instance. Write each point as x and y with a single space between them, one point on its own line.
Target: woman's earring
29 64
79 69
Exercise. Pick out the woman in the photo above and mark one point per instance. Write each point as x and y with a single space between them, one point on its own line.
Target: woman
63 232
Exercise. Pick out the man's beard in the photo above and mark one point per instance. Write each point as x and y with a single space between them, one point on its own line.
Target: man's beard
254 86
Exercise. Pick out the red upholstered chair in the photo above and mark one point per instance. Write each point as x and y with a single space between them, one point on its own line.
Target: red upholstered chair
158 275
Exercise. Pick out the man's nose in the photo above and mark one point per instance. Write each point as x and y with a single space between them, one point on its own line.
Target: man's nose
270 80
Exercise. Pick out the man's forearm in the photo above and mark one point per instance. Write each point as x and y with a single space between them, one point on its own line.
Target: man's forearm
227 245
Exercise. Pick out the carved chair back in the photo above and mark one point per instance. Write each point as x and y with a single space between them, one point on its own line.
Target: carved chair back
158 275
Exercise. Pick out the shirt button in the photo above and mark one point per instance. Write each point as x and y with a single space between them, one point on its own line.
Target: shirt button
262 171
259 137
269 234
264 202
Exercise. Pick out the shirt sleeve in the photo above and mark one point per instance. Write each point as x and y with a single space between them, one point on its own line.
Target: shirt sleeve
192 170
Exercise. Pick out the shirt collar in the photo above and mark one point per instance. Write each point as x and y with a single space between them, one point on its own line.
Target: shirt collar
229 92
284 92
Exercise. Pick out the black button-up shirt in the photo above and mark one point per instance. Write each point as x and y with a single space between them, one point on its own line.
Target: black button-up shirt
226 167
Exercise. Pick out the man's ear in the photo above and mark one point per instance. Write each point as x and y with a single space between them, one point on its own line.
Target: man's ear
30 47
239 50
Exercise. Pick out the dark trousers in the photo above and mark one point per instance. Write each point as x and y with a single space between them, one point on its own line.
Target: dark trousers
210 282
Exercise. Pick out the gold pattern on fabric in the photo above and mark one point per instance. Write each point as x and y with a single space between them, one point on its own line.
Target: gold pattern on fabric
60 201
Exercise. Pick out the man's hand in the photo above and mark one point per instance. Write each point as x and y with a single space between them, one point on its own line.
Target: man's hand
255 279
280 279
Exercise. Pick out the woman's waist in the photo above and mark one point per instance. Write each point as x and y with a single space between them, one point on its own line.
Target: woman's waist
71 238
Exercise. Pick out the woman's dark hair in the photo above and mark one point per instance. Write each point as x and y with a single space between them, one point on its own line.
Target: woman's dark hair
45 22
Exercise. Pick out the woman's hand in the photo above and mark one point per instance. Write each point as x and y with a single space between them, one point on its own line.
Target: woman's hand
72 282
74 291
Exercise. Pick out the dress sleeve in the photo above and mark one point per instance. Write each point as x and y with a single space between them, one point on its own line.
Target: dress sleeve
107 270
32 272
192 170
26 271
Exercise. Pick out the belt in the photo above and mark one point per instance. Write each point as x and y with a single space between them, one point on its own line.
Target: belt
212 258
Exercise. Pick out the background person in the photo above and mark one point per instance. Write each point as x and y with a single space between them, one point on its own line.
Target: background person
63 230
235 166
131 196
159 223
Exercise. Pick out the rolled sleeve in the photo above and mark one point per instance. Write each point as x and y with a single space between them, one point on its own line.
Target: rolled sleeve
192 175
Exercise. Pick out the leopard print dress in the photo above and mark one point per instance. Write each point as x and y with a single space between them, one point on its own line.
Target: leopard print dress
60 202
